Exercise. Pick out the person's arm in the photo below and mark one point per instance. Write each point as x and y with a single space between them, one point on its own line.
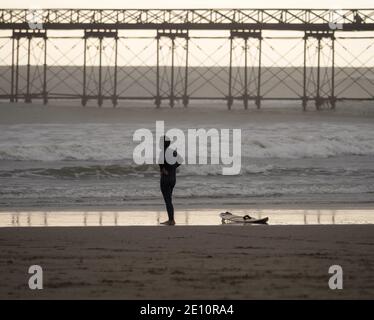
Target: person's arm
163 169
162 165
179 159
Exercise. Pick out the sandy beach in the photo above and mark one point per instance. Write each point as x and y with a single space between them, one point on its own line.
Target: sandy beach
215 262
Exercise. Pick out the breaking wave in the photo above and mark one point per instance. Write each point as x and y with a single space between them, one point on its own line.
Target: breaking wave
121 171
102 142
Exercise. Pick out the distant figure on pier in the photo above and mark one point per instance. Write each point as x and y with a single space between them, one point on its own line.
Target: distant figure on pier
168 178
358 19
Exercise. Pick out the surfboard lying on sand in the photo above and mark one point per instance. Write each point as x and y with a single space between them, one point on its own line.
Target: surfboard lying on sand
228 217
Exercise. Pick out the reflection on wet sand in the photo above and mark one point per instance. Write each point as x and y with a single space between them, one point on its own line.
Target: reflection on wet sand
187 217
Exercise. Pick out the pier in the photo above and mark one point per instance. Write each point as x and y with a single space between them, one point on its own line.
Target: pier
171 57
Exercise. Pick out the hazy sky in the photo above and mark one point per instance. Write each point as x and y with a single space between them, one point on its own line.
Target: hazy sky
187 4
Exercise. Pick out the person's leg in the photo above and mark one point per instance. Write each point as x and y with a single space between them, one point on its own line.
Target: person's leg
166 189
168 202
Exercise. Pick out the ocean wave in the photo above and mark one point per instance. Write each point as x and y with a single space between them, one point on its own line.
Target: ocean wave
100 142
96 171
120 171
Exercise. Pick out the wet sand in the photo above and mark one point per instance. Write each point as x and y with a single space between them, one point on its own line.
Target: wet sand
195 262
44 217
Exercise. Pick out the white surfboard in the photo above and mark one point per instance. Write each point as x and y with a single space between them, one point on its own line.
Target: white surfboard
228 217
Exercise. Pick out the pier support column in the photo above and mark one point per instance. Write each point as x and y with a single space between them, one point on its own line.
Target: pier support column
245 94
171 101
333 98
12 71
185 95
318 89
28 96
229 97
178 88
39 59
115 97
305 98
251 90
100 93
45 94
17 71
158 97
84 98
258 97
324 91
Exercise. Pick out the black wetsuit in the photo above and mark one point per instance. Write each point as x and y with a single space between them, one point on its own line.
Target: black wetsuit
167 183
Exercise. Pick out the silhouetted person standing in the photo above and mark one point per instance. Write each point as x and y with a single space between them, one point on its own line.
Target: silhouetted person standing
358 19
168 180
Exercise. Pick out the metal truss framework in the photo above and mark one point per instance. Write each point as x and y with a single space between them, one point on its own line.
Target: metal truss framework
108 71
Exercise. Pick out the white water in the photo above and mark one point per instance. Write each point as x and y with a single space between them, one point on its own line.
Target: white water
303 158
108 142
